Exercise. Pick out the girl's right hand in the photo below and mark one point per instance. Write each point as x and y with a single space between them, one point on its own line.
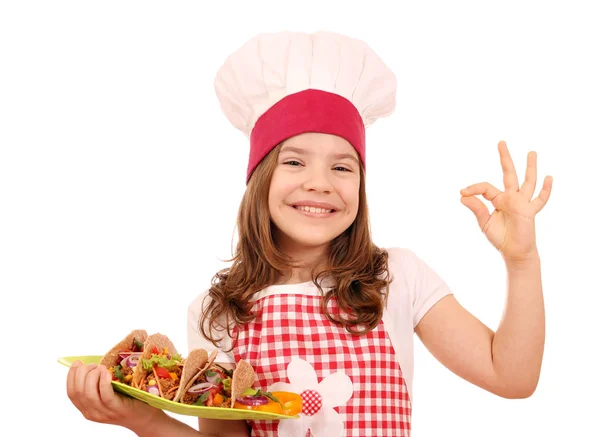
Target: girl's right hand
89 388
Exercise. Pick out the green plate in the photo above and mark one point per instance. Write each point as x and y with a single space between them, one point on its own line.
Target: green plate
176 407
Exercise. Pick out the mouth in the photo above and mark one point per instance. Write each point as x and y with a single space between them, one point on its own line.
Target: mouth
313 211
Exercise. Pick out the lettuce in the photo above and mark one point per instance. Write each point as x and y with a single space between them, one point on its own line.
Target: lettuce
227 384
162 361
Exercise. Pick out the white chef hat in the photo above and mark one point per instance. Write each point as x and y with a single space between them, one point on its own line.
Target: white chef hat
282 84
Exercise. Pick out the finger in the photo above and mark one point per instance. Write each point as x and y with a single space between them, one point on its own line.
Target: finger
107 394
540 201
511 181
96 409
80 377
485 189
478 208
72 384
71 379
92 392
528 187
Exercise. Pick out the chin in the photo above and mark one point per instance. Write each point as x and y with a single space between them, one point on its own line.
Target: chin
310 239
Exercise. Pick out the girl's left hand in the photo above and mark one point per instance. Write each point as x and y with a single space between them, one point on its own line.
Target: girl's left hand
510 228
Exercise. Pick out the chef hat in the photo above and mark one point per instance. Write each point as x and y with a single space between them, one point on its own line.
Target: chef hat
278 85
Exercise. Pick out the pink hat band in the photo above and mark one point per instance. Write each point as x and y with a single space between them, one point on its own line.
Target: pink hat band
310 110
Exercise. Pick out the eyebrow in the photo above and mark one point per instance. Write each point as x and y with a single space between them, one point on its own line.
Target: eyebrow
303 152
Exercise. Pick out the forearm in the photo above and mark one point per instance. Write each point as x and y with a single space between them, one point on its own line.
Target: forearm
161 424
518 344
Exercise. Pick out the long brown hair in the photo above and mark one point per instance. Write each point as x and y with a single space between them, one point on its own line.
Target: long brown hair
358 268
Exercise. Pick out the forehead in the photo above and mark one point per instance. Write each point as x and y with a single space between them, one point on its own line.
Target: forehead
318 143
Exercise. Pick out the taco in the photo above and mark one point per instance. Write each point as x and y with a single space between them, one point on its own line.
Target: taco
122 359
159 368
215 386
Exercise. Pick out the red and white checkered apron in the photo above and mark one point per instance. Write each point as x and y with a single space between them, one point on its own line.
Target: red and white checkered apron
292 325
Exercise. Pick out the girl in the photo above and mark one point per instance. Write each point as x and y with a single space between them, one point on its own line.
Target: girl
309 301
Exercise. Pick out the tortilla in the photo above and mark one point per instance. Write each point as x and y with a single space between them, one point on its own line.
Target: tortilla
160 341
187 383
194 363
243 378
112 357
211 359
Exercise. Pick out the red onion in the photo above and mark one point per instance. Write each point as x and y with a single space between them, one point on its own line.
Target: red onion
131 360
153 390
201 388
253 400
126 354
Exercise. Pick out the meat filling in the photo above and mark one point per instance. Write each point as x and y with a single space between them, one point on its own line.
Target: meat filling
168 386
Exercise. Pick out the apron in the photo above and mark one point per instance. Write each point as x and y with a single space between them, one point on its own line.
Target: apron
350 385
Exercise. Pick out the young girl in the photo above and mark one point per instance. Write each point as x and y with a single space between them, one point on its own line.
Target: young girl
309 301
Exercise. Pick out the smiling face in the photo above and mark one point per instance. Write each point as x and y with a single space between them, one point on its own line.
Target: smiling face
314 190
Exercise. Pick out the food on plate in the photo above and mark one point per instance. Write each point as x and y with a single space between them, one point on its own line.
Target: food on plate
152 364
212 384
123 358
278 402
216 386
159 368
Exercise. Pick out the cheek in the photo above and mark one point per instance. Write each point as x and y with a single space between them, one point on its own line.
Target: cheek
281 187
274 200
278 192
350 197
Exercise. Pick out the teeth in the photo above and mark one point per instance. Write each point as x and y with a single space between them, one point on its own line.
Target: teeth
313 209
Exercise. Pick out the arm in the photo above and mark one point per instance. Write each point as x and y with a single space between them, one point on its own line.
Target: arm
164 425
224 428
507 362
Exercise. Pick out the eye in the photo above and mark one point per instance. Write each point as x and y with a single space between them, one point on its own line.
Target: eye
338 168
292 162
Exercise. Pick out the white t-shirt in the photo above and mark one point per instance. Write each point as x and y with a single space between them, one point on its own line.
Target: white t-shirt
415 288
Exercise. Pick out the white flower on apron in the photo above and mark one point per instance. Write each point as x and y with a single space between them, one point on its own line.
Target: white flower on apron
318 401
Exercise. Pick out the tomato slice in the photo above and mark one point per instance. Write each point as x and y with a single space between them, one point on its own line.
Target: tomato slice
162 373
155 350
209 401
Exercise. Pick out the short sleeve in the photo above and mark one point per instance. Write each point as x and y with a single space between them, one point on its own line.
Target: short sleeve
194 335
425 286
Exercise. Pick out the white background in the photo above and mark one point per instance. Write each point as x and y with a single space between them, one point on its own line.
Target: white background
120 180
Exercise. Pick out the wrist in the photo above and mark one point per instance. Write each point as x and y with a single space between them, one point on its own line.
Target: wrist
144 424
524 262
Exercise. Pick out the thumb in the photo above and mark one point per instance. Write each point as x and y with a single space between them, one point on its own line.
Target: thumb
478 208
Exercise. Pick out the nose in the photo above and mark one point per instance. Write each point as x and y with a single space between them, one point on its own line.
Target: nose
318 179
